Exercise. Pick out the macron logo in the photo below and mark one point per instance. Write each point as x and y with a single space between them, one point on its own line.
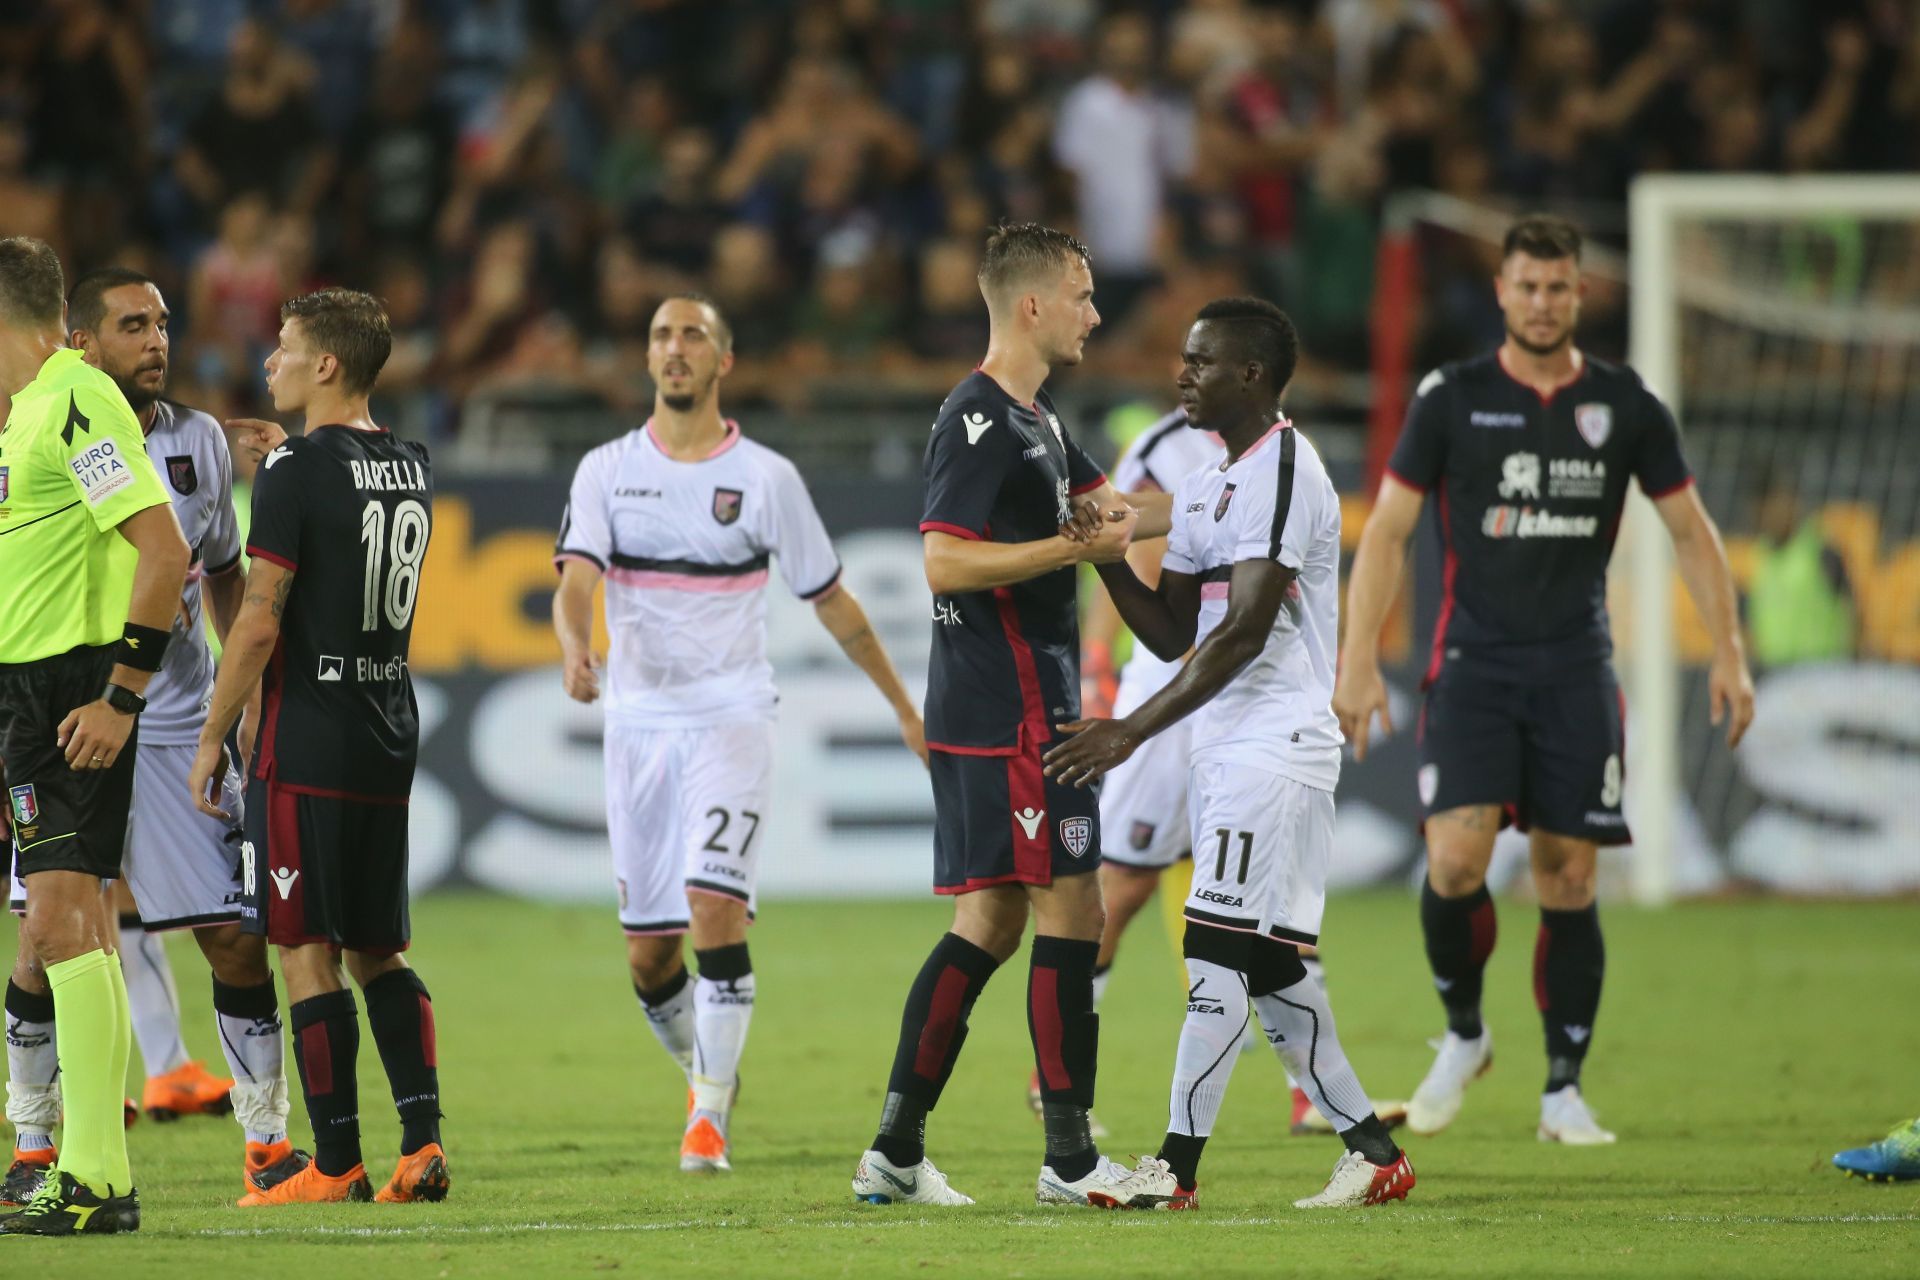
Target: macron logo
976 425
283 878
275 456
1577 1034
1029 820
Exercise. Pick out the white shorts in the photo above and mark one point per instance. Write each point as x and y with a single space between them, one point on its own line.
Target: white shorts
1261 845
685 808
1143 803
182 866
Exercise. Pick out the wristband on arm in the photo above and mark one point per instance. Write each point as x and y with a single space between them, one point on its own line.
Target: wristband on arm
141 648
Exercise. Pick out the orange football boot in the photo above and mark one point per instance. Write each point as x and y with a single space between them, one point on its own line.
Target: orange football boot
310 1186
270 1164
187 1090
704 1148
420 1176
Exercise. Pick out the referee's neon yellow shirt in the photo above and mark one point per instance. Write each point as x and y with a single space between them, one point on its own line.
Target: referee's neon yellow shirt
73 465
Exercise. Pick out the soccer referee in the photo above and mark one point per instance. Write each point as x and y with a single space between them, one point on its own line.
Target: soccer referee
91 568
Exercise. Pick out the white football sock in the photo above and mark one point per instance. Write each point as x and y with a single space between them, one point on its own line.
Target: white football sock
1209 1046
722 1011
1317 972
671 1021
1300 1026
33 1079
253 1044
154 1001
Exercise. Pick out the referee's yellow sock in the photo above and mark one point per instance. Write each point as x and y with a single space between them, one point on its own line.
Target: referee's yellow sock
94 1038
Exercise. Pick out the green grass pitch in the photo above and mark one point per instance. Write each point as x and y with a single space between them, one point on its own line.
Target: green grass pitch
1739 1046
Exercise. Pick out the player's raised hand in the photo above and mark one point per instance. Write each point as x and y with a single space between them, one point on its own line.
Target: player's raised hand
1730 694
1359 693
580 675
205 783
1109 545
256 437
913 732
1096 747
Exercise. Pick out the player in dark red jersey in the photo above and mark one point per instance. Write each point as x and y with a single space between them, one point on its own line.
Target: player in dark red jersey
341 518
1003 477
1527 452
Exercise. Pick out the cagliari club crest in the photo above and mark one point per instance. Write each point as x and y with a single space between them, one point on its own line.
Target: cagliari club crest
1077 835
1595 422
726 505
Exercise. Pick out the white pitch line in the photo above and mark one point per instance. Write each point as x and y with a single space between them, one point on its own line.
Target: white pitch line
1051 1222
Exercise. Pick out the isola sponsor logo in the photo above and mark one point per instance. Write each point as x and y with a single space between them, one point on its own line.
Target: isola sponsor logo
1525 522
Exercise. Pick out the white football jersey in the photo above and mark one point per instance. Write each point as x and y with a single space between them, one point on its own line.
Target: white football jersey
1275 503
189 450
1157 460
685 547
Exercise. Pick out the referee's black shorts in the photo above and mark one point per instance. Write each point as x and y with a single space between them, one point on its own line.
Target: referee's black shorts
63 819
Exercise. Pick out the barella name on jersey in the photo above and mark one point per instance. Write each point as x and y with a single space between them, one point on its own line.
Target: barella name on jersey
398 476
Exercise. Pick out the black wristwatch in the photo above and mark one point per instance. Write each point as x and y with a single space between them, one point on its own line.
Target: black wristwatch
123 700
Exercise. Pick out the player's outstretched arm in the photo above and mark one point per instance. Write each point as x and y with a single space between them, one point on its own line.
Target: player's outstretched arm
573 623
1165 617
1703 567
1360 691
1254 597
840 613
955 564
250 643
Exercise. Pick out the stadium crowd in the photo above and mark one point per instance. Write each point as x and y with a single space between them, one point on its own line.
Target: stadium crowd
521 180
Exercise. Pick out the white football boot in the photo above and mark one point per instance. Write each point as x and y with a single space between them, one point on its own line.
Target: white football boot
1564 1117
1148 1185
1357 1182
878 1181
1458 1064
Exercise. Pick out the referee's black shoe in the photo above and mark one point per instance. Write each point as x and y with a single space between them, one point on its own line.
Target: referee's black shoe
65 1207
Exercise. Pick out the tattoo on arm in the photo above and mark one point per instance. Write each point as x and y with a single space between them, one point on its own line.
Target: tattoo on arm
277 602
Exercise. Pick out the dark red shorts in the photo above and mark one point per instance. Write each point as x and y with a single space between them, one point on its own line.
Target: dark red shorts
320 867
999 820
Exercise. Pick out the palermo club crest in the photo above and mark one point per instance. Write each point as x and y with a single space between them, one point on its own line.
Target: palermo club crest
726 505
1226 499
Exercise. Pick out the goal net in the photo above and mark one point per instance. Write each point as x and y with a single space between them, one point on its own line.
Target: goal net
1780 318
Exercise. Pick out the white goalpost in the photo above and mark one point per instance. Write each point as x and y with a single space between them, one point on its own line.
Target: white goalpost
1779 317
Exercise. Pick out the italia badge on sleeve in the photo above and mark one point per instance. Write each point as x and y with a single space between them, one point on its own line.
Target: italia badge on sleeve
1595 422
726 505
1077 835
